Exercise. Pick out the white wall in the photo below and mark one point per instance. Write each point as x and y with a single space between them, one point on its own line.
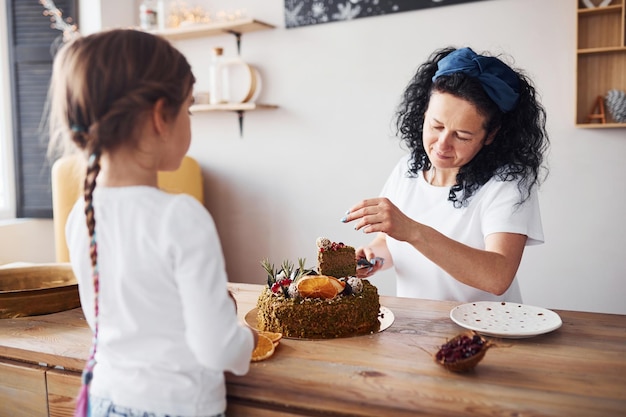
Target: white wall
297 169
26 240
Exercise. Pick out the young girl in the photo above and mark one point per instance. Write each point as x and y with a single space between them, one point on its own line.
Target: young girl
149 264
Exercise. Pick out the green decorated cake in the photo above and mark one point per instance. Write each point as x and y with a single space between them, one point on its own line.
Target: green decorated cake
318 304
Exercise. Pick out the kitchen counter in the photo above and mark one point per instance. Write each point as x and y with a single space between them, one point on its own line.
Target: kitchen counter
576 370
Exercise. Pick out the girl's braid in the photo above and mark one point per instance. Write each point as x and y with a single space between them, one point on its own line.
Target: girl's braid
93 168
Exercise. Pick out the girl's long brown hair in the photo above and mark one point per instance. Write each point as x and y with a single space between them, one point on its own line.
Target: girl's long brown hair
101 88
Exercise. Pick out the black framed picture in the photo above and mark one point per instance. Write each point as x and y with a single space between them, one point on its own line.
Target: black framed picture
313 12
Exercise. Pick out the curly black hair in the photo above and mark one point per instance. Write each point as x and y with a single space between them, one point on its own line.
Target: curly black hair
521 139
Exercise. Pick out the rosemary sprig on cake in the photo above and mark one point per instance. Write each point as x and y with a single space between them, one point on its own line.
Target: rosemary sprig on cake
279 280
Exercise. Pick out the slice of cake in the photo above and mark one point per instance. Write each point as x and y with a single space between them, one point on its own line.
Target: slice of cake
335 259
300 303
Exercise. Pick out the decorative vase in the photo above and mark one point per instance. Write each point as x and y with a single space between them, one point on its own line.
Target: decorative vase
615 101
590 4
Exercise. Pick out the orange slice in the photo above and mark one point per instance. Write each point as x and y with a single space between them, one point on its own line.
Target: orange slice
274 337
263 350
320 286
339 285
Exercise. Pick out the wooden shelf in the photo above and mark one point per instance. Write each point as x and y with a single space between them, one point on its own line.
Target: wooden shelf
239 108
613 8
235 27
600 60
231 107
601 50
600 125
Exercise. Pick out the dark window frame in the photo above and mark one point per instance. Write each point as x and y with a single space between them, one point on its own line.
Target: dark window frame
30 46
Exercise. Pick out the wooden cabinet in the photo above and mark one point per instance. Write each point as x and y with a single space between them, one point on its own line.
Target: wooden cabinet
22 390
30 390
600 60
63 387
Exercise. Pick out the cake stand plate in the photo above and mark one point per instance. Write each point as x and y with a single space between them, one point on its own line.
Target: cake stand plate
385 317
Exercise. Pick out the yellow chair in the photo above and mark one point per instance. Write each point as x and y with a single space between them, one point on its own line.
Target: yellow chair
67 186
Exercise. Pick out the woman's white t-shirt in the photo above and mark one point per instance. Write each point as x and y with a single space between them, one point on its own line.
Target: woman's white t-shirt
492 209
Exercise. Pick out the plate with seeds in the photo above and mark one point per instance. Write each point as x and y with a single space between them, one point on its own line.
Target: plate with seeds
504 319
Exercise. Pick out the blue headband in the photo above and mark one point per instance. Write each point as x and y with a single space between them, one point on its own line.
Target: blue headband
499 81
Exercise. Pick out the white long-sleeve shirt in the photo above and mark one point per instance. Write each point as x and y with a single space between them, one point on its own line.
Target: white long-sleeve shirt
167 328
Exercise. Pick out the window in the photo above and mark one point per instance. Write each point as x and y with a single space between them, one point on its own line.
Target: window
30 46
7 199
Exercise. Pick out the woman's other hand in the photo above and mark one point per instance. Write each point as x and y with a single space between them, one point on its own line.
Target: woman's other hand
230 294
372 258
366 268
380 215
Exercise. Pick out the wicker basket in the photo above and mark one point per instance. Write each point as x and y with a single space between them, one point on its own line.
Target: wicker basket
33 290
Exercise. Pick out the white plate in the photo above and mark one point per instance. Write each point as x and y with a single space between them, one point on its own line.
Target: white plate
244 81
508 320
385 317
258 86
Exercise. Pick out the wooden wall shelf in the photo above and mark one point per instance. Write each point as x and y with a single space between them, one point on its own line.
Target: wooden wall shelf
600 125
231 107
239 108
232 27
612 8
236 27
601 50
600 60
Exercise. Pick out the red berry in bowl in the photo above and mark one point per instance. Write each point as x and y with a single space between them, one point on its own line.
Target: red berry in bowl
463 352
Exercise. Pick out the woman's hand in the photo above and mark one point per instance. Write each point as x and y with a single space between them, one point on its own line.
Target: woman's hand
381 215
372 258
230 294
366 268
491 269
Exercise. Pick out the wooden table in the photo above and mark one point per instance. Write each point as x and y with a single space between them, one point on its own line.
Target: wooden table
577 370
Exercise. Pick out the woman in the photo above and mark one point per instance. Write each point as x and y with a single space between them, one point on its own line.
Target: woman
456 213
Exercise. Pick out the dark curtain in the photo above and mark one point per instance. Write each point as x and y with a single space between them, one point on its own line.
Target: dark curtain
32 42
